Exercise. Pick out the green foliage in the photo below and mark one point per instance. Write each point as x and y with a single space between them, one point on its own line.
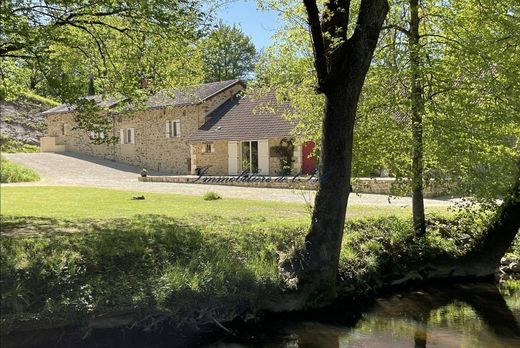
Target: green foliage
285 151
211 196
57 50
70 270
12 172
227 54
386 246
9 145
148 264
469 71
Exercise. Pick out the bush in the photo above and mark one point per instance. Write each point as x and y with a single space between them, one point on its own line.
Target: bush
12 172
10 145
211 196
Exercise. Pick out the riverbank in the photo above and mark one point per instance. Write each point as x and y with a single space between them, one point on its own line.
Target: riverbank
152 271
191 268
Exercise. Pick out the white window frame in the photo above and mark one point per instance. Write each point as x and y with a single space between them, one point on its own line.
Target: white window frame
173 129
96 135
126 136
205 148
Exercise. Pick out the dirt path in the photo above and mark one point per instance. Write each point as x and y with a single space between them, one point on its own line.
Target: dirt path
74 169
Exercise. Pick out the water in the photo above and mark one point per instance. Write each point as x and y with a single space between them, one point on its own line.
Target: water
467 316
478 315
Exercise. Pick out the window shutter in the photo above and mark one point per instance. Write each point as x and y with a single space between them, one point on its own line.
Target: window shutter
178 128
168 134
212 148
132 136
263 157
121 136
92 135
102 135
233 157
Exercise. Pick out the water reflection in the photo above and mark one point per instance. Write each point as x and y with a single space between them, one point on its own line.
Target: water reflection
458 316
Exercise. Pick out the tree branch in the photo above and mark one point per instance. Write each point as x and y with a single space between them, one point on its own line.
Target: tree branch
320 59
398 28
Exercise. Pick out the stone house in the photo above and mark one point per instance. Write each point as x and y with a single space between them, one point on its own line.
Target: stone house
210 126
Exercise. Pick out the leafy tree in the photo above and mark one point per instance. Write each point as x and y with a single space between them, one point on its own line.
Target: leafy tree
119 44
69 47
228 54
341 62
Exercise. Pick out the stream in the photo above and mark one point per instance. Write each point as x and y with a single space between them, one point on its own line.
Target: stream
464 315
476 315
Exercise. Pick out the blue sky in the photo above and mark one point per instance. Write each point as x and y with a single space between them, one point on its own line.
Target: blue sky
260 25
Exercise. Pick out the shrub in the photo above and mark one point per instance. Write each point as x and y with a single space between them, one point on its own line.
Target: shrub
211 196
12 172
10 145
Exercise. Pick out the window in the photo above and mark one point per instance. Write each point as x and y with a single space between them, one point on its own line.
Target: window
173 129
64 129
127 136
97 135
208 148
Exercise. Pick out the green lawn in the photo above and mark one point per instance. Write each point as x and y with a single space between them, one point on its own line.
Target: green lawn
178 256
93 203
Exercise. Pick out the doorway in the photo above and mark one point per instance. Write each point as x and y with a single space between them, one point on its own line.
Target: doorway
250 156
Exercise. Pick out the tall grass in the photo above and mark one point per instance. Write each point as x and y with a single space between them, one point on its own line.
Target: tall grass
12 172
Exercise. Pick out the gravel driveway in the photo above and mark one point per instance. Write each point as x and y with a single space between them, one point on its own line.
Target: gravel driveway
75 169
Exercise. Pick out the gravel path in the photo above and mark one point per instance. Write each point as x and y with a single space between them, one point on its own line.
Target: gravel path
73 169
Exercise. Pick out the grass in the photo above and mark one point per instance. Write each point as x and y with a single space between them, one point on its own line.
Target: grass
71 253
92 203
39 99
12 172
195 273
211 196
9 145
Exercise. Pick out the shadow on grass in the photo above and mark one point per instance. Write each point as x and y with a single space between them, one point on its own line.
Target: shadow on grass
147 272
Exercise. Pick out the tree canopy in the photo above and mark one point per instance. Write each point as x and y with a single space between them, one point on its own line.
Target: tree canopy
62 46
471 120
228 54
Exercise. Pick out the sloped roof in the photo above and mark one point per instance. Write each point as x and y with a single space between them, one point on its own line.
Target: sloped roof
179 97
104 103
246 118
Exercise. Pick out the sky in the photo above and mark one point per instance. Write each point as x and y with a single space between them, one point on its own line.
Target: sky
257 24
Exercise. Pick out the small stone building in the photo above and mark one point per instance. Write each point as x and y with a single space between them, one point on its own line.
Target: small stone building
211 126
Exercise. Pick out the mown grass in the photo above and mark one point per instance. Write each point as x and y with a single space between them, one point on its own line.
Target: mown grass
91 203
69 253
58 270
12 172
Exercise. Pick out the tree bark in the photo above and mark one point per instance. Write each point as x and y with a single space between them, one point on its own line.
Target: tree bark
417 110
341 72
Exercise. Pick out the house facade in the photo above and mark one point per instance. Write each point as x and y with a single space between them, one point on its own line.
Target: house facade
211 126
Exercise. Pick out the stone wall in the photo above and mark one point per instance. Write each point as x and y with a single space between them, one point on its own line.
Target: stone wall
217 160
360 185
152 148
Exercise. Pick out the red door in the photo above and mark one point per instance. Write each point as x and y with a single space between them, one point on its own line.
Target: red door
309 162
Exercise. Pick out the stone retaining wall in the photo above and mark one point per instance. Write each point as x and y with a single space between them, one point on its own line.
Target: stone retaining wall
360 185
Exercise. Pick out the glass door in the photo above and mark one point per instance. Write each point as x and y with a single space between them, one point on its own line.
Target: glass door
250 156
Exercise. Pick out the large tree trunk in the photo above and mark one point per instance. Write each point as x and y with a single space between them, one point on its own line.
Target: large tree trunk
341 72
417 110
